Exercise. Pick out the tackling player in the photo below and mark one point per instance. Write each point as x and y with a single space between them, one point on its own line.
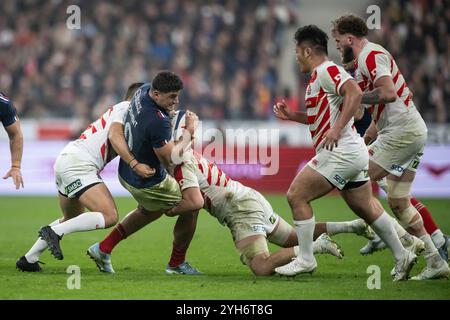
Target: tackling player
401 131
80 186
247 214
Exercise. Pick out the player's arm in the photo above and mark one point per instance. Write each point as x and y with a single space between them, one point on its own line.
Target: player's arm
359 113
16 147
117 139
377 67
283 112
352 101
192 200
371 133
383 92
171 154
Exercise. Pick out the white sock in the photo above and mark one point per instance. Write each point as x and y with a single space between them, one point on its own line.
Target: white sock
431 254
38 247
376 238
305 232
84 222
339 227
383 226
429 245
398 228
438 238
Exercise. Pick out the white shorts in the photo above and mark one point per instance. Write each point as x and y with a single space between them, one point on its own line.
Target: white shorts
397 152
73 174
251 215
342 165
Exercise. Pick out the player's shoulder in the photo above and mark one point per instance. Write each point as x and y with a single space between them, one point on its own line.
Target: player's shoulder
6 106
121 105
330 71
5 102
156 116
370 50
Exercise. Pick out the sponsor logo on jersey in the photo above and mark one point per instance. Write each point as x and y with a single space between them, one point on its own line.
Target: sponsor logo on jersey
339 179
315 162
73 186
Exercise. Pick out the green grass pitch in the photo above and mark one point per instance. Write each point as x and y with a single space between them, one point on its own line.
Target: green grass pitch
140 261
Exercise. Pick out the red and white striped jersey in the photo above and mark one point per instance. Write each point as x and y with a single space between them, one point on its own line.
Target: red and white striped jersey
375 62
218 190
93 142
324 103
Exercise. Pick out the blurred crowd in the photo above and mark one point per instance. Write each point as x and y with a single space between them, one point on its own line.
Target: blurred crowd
226 52
417 33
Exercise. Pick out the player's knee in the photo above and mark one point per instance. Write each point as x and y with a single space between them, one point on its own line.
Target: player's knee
254 254
409 217
398 205
375 173
295 197
398 195
260 266
111 217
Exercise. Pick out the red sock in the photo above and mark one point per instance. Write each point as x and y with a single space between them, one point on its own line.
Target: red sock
428 222
178 256
117 235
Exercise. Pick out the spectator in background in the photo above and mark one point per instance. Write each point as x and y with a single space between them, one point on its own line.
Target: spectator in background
224 50
417 33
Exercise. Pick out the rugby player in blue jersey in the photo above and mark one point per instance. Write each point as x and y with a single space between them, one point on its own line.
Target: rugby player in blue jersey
9 119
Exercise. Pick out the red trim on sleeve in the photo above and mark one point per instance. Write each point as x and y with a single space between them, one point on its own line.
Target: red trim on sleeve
178 173
371 64
336 76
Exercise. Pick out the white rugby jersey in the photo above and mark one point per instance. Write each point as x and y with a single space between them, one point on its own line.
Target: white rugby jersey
324 104
375 62
218 190
93 143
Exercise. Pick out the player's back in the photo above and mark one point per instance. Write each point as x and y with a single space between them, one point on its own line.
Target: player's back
375 62
218 190
93 142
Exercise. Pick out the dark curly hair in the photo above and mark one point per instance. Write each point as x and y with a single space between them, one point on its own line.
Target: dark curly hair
350 24
167 81
313 34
